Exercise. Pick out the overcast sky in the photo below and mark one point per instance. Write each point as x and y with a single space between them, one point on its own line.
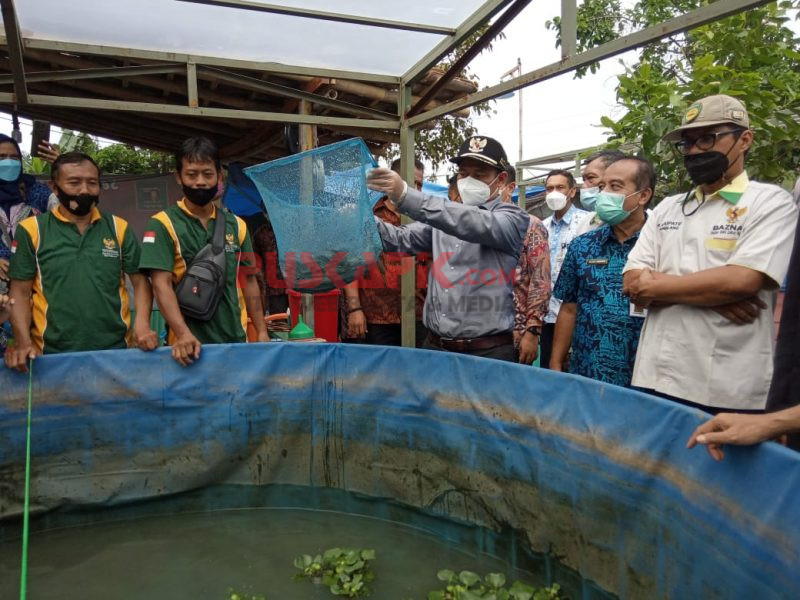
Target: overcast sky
560 114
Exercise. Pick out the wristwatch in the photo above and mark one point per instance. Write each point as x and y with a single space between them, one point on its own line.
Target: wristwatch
534 330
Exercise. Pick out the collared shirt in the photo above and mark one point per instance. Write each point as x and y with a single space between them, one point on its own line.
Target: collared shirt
172 240
532 286
79 300
380 297
589 223
475 251
561 232
592 221
607 327
692 352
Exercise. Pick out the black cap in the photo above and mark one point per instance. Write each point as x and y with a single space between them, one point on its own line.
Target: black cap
484 149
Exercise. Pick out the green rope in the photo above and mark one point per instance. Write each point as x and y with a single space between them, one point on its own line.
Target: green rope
23 572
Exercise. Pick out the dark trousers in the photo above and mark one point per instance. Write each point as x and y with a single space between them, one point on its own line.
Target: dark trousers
390 335
383 335
277 304
546 344
505 352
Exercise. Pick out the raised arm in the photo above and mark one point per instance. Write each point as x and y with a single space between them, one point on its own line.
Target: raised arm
413 238
502 228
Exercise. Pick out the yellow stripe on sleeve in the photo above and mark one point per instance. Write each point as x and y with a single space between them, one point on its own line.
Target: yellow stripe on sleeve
120 228
179 267
39 305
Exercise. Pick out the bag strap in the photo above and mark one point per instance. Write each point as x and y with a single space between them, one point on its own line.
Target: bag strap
218 239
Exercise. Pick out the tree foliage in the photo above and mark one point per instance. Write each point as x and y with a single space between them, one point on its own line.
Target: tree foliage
441 140
114 159
128 159
752 56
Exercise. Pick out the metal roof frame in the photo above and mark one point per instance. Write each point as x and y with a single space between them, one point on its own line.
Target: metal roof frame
325 16
409 113
695 18
412 116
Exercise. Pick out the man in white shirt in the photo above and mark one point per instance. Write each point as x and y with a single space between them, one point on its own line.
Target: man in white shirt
562 226
708 265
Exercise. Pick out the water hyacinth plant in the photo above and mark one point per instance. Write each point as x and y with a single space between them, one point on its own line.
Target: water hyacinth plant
467 585
346 571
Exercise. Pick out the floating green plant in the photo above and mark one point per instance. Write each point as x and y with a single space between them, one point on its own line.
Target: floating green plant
467 585
346 571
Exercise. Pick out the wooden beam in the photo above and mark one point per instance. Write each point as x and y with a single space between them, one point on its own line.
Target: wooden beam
101 73
14 43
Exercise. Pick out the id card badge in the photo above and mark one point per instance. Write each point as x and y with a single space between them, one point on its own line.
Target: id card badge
637 311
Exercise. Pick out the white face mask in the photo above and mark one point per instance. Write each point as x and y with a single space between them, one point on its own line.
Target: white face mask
555 201
474 192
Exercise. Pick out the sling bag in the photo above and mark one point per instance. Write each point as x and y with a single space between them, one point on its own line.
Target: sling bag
201 289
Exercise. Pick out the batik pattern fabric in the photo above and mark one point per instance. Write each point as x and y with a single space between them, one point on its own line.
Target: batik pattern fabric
606 333
532 282
34 203
379 293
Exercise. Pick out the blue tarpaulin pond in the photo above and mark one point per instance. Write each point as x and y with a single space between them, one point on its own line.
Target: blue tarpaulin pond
594 474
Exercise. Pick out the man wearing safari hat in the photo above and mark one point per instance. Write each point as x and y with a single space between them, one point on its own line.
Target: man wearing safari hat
708 264
475 248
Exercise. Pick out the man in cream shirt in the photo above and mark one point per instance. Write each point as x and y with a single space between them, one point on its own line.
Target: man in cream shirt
708 265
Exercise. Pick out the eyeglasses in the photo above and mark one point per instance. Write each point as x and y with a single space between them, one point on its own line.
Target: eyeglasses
706 141
6 156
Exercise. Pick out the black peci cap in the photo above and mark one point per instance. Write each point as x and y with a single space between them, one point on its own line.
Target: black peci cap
484 149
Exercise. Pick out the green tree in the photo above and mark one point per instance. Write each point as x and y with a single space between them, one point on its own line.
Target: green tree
125 159
115 159
76 141
33 165
438 142
752 56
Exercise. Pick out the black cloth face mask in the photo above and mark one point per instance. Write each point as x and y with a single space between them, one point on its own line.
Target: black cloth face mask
83 203
199 196
707 167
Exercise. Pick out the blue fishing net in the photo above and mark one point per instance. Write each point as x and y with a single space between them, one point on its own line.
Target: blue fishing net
321 211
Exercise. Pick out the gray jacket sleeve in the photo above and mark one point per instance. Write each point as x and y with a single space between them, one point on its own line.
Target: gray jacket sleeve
413 238
495 224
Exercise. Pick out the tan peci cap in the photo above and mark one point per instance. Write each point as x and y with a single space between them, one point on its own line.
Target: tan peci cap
710 111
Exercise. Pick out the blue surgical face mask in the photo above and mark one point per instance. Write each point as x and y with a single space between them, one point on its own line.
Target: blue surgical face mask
609 207
589 197
10 168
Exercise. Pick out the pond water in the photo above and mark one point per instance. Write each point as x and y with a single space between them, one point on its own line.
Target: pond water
194 555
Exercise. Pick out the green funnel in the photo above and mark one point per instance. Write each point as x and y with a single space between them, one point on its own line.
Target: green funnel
301 331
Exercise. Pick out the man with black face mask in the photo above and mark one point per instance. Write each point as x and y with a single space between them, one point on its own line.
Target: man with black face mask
175 236
67 273
708 264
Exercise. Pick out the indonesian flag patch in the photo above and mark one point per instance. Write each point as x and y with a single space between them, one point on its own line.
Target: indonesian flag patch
13 246
149 237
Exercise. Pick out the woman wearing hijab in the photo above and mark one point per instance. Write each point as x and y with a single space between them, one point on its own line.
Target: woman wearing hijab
21 196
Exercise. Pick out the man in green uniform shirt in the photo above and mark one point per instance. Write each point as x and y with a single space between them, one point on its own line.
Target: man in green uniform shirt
175 236
68 271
